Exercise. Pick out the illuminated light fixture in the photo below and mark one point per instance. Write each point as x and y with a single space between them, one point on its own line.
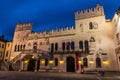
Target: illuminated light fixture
50 61
42 61
33 57
26 61
80 62
61 62
91 62
106 62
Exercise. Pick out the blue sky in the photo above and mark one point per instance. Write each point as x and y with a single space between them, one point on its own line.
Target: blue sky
46 14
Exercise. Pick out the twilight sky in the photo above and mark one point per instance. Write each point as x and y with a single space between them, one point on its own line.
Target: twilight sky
46 14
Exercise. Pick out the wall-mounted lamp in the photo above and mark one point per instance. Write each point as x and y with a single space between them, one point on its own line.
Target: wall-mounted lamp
42 61
106 62
61 62
51 61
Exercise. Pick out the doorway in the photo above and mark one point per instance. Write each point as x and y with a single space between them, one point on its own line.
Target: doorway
70 64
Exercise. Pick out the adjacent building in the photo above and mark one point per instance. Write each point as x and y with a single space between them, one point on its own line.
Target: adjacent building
91 43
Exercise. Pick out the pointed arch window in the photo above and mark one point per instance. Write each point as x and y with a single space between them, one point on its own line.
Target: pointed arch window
98 62
72 45
81 45
21 47
86 46
35 47
52 47
63 46
18 48
56 46
15 49
68 46
90 25
85 62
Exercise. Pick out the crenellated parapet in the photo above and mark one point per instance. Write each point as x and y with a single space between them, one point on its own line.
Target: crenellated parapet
52 33
26 26
88 13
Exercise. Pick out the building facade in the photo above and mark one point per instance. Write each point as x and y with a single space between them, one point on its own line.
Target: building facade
90 43
116 25
2 47
8 48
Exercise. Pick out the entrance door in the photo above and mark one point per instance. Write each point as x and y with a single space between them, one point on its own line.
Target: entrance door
70 64
31 65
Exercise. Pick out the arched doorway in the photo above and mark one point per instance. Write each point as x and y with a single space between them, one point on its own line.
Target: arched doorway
98 62
31 65
70 64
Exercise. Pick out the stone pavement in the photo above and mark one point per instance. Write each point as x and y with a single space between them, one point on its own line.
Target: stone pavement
14 75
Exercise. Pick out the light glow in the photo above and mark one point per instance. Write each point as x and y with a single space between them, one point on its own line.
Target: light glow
26 61
51 62
61 62
42 61
91 62
105 62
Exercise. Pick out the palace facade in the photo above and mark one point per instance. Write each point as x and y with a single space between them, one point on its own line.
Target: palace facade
91 43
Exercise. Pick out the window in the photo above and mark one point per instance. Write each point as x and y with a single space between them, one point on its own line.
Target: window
7 53
56 46
63 46
21 48
86 46
8 45
15 49
98 62
81 45
72 45
46 62
90 25
81 27
68 45
85 62
52 47
2 45
56 61
18 48
35 47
